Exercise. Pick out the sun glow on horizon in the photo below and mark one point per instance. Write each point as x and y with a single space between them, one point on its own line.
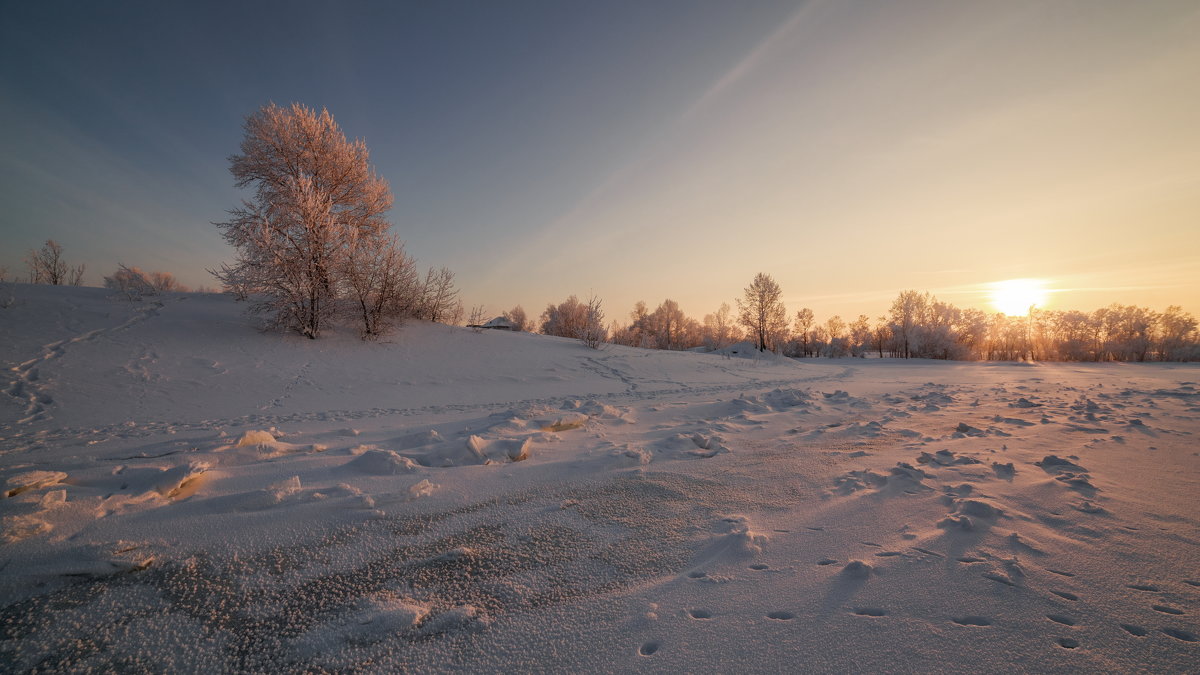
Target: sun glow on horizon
1015 297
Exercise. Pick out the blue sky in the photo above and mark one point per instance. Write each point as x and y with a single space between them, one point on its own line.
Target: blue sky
640 150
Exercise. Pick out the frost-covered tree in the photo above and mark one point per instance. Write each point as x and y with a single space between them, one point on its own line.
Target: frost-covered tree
315 197
906 313
439 297
719 331
802 331
130 282
475 320
565 319
380 285
166 282
860 335
762 312
46 266
518 318
1178 335
593 332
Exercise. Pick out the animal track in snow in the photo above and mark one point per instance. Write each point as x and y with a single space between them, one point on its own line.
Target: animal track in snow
758 567
870 611
1142 587
649 648
781 616
700 613
1061 573
1133 629
1068 643
1061 618
972 620
1066 595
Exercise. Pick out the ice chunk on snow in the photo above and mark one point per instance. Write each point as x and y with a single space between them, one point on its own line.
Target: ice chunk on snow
422 489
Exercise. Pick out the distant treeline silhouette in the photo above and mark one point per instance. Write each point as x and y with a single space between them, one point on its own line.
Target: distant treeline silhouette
917 325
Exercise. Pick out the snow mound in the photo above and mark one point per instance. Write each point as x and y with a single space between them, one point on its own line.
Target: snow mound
692 446
381 463
254 438
371 619
32 480
499 449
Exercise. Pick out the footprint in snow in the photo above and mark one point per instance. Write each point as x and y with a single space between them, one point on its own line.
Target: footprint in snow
1184 635
1068 643
649 648
1167 610
1060 573
1061 618
1134 629
700 614
973 620
1066 596
870 611
758 567
1142 587
781 616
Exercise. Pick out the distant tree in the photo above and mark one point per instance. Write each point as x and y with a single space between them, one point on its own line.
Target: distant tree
130 282
860 335
518 318
475 320
46 266
719 329
906 313
165 282
881 335
566 319
439 297
315 195
837 344
1178 341
593 331
762 311
802 329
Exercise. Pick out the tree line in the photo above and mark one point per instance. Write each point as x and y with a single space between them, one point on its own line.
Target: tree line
917 325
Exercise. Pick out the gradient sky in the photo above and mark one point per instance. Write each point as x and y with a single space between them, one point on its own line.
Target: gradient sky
640 150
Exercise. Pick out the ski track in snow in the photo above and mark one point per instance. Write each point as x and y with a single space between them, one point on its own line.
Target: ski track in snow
762 517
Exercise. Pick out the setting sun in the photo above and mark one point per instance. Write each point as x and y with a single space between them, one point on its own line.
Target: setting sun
1016 296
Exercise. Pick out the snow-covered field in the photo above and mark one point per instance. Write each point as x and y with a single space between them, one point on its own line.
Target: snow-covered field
184 493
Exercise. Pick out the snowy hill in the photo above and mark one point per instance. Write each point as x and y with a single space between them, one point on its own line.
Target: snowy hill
183 492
